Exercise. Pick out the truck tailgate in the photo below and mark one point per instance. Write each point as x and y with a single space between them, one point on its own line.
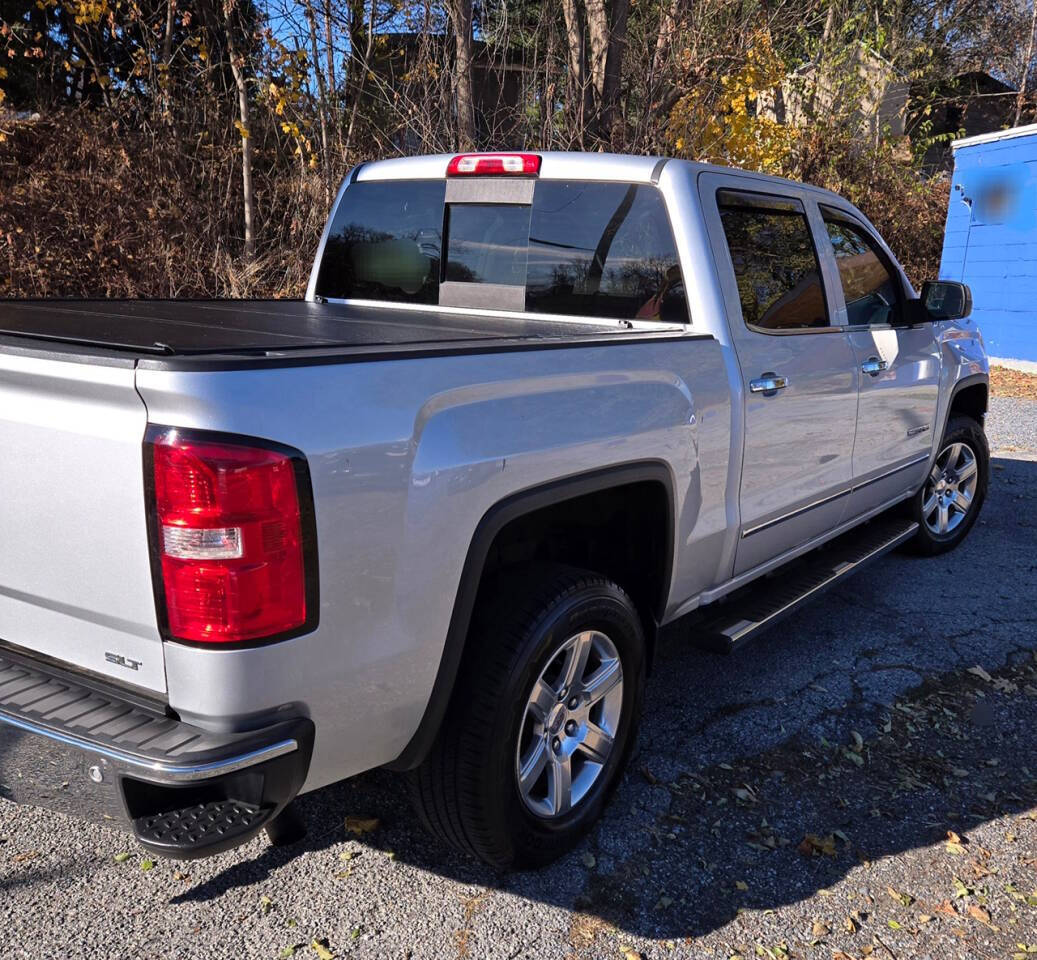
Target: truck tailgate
75 579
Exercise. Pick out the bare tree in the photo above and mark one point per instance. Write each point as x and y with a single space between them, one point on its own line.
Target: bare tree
1027 63
460 12
237 67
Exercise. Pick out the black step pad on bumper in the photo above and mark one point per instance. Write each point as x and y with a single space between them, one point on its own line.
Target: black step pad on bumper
87 748
767 601
200 825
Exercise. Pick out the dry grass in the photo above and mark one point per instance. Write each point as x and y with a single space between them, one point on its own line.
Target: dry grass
1013 383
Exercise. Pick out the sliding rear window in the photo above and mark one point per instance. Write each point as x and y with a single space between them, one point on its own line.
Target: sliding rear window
599 250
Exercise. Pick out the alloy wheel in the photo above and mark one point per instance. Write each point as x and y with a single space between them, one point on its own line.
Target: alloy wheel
950 488
569 725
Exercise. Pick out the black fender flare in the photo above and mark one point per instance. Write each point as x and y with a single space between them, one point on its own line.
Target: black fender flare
493 521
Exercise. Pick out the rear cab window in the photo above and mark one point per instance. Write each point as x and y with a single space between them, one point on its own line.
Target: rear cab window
582 249
775 263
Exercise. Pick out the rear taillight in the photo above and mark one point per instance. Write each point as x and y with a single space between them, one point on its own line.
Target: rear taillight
232 538
494 165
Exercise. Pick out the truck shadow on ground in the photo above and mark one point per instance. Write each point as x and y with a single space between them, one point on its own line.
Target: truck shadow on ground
842 739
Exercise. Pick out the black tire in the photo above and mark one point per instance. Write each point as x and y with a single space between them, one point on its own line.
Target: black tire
927 542
466 791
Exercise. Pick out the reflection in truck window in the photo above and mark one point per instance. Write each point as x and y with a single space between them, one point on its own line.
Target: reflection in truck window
384 243
486 243
776 267
603 250
869 289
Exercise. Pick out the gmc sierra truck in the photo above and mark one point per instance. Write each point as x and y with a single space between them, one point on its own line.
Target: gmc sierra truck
533 408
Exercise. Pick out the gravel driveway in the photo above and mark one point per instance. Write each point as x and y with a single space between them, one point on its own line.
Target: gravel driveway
844 788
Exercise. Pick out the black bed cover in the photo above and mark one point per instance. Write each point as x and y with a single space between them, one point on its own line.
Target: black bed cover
197 327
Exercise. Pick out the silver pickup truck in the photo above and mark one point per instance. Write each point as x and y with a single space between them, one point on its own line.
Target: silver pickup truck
533 409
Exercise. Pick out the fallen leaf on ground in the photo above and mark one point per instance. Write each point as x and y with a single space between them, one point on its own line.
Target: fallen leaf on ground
947 908
121 857
629 953
905 899
741 885
146 865
321 948
589 861
978 913
978 671
361 825
812 844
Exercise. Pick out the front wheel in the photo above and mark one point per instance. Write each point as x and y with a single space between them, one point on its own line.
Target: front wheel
542 720
950 499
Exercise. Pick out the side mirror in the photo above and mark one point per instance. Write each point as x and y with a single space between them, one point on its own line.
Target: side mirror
946 300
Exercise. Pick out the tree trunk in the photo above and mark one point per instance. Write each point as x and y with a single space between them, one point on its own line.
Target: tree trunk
237 68
610 116
1021 98
322 103
579 91
357 31
461 21
607 44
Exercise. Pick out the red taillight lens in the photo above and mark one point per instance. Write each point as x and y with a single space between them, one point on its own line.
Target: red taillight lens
230 537
494 164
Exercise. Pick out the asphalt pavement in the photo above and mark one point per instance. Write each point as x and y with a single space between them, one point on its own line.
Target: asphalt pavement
861 782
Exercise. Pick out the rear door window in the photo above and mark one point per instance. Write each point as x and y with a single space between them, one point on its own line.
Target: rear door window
385 243
603 250
775 263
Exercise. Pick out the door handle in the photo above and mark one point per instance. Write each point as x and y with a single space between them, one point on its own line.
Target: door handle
874 366
769 384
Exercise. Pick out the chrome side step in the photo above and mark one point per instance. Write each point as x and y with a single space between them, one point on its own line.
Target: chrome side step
767 601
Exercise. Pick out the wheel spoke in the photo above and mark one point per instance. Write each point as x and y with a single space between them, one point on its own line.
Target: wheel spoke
560 791
945 517
604 679
953 455
533 765
968 471
596 743
576 660
541 700
937 470
962 501
929 506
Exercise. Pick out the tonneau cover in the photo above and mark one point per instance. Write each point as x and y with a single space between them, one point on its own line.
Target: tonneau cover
179 327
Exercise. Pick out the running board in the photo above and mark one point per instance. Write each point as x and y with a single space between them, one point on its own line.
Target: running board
770 599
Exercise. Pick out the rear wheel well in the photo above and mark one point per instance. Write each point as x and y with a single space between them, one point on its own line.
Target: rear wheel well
621 532
970 401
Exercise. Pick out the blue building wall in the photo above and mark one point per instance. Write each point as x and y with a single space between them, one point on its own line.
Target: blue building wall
990 241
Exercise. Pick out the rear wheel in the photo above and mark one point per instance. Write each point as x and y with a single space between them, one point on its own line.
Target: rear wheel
543 718
953 493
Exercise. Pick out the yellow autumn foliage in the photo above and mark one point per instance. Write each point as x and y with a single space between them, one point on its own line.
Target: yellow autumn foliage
723 126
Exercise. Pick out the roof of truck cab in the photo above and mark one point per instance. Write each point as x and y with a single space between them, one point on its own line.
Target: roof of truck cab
568 165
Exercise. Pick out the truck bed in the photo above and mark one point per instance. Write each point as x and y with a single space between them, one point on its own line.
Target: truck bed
184 328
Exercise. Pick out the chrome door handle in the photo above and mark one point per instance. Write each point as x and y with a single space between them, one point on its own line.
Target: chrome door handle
873 365
769 383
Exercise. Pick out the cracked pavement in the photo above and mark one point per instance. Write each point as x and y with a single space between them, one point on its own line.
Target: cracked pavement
705 849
